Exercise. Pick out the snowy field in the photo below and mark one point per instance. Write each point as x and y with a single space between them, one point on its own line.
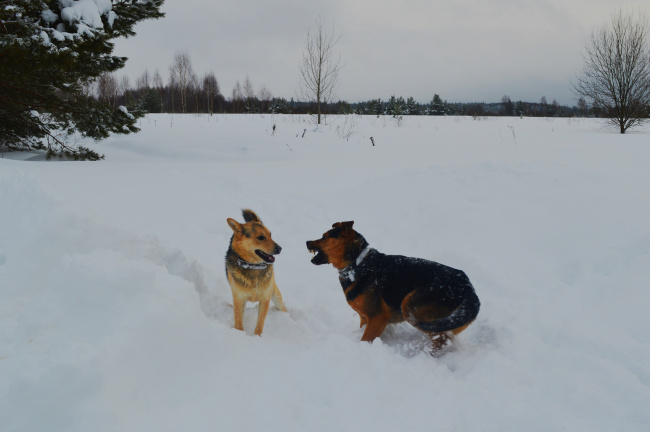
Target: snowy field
115 313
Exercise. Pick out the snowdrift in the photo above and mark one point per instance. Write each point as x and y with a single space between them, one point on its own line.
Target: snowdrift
115 313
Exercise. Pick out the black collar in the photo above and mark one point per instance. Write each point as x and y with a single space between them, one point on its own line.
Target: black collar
247 265
349 271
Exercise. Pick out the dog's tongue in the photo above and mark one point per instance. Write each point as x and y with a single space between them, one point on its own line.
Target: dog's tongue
266 257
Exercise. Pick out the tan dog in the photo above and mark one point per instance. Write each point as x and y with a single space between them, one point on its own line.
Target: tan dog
249 268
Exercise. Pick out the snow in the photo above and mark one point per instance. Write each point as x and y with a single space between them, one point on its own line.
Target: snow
45 37
58 35
49 17
84 14
85 11
112 16
125 110
115 313
103 6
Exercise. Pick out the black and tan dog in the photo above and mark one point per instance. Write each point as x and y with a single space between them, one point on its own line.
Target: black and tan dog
383 289
249 268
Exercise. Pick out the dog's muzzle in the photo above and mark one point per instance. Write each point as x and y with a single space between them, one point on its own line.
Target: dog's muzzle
319 256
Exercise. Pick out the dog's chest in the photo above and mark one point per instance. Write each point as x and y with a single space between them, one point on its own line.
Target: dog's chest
252 281
356 282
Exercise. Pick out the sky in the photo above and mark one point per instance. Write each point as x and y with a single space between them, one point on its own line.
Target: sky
463 50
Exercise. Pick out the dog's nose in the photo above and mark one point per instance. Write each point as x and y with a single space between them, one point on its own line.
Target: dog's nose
278 249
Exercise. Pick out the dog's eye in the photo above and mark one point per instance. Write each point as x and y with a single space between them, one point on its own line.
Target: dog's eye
261 238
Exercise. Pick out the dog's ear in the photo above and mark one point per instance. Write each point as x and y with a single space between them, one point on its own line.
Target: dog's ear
236 226
344 225
250 216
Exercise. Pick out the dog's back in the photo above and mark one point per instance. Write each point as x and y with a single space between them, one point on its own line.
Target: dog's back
397 276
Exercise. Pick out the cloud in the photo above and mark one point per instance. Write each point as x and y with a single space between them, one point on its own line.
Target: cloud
465 50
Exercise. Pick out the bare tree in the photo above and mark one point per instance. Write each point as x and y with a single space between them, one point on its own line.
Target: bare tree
555 107
124 89
173 85
583 108
320 66
249 93
195 88
157 80
181 74
265 98
125 84
616 72
142 83
237 97
544 106
211 89
107 89
159 86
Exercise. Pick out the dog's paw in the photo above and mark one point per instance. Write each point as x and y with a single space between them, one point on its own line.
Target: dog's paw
440 344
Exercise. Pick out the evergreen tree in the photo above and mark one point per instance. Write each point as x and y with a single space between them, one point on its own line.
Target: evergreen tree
151 101
51 52
520 108
375 107
436 106
396 106
508 106
412 107
583 108
343 107
280 106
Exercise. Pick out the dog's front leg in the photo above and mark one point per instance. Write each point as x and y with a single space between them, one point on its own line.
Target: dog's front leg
261 315
375 326
238 306
362 320
276 297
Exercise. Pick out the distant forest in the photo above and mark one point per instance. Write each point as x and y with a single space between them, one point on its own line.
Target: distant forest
186 93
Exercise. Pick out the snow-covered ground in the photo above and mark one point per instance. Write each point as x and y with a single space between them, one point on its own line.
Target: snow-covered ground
115 311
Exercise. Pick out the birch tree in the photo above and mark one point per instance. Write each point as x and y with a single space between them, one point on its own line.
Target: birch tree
320 66
181 74
211 90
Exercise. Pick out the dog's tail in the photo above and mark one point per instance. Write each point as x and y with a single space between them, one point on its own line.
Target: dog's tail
462 316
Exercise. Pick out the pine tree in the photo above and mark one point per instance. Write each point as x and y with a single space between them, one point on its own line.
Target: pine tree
436 106
396 106
280 106
51 52
376 107
412 107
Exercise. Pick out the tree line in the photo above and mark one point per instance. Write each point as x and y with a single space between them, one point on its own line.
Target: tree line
398 106
184 91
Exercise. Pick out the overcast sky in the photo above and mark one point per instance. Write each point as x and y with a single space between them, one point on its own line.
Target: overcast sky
463 50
